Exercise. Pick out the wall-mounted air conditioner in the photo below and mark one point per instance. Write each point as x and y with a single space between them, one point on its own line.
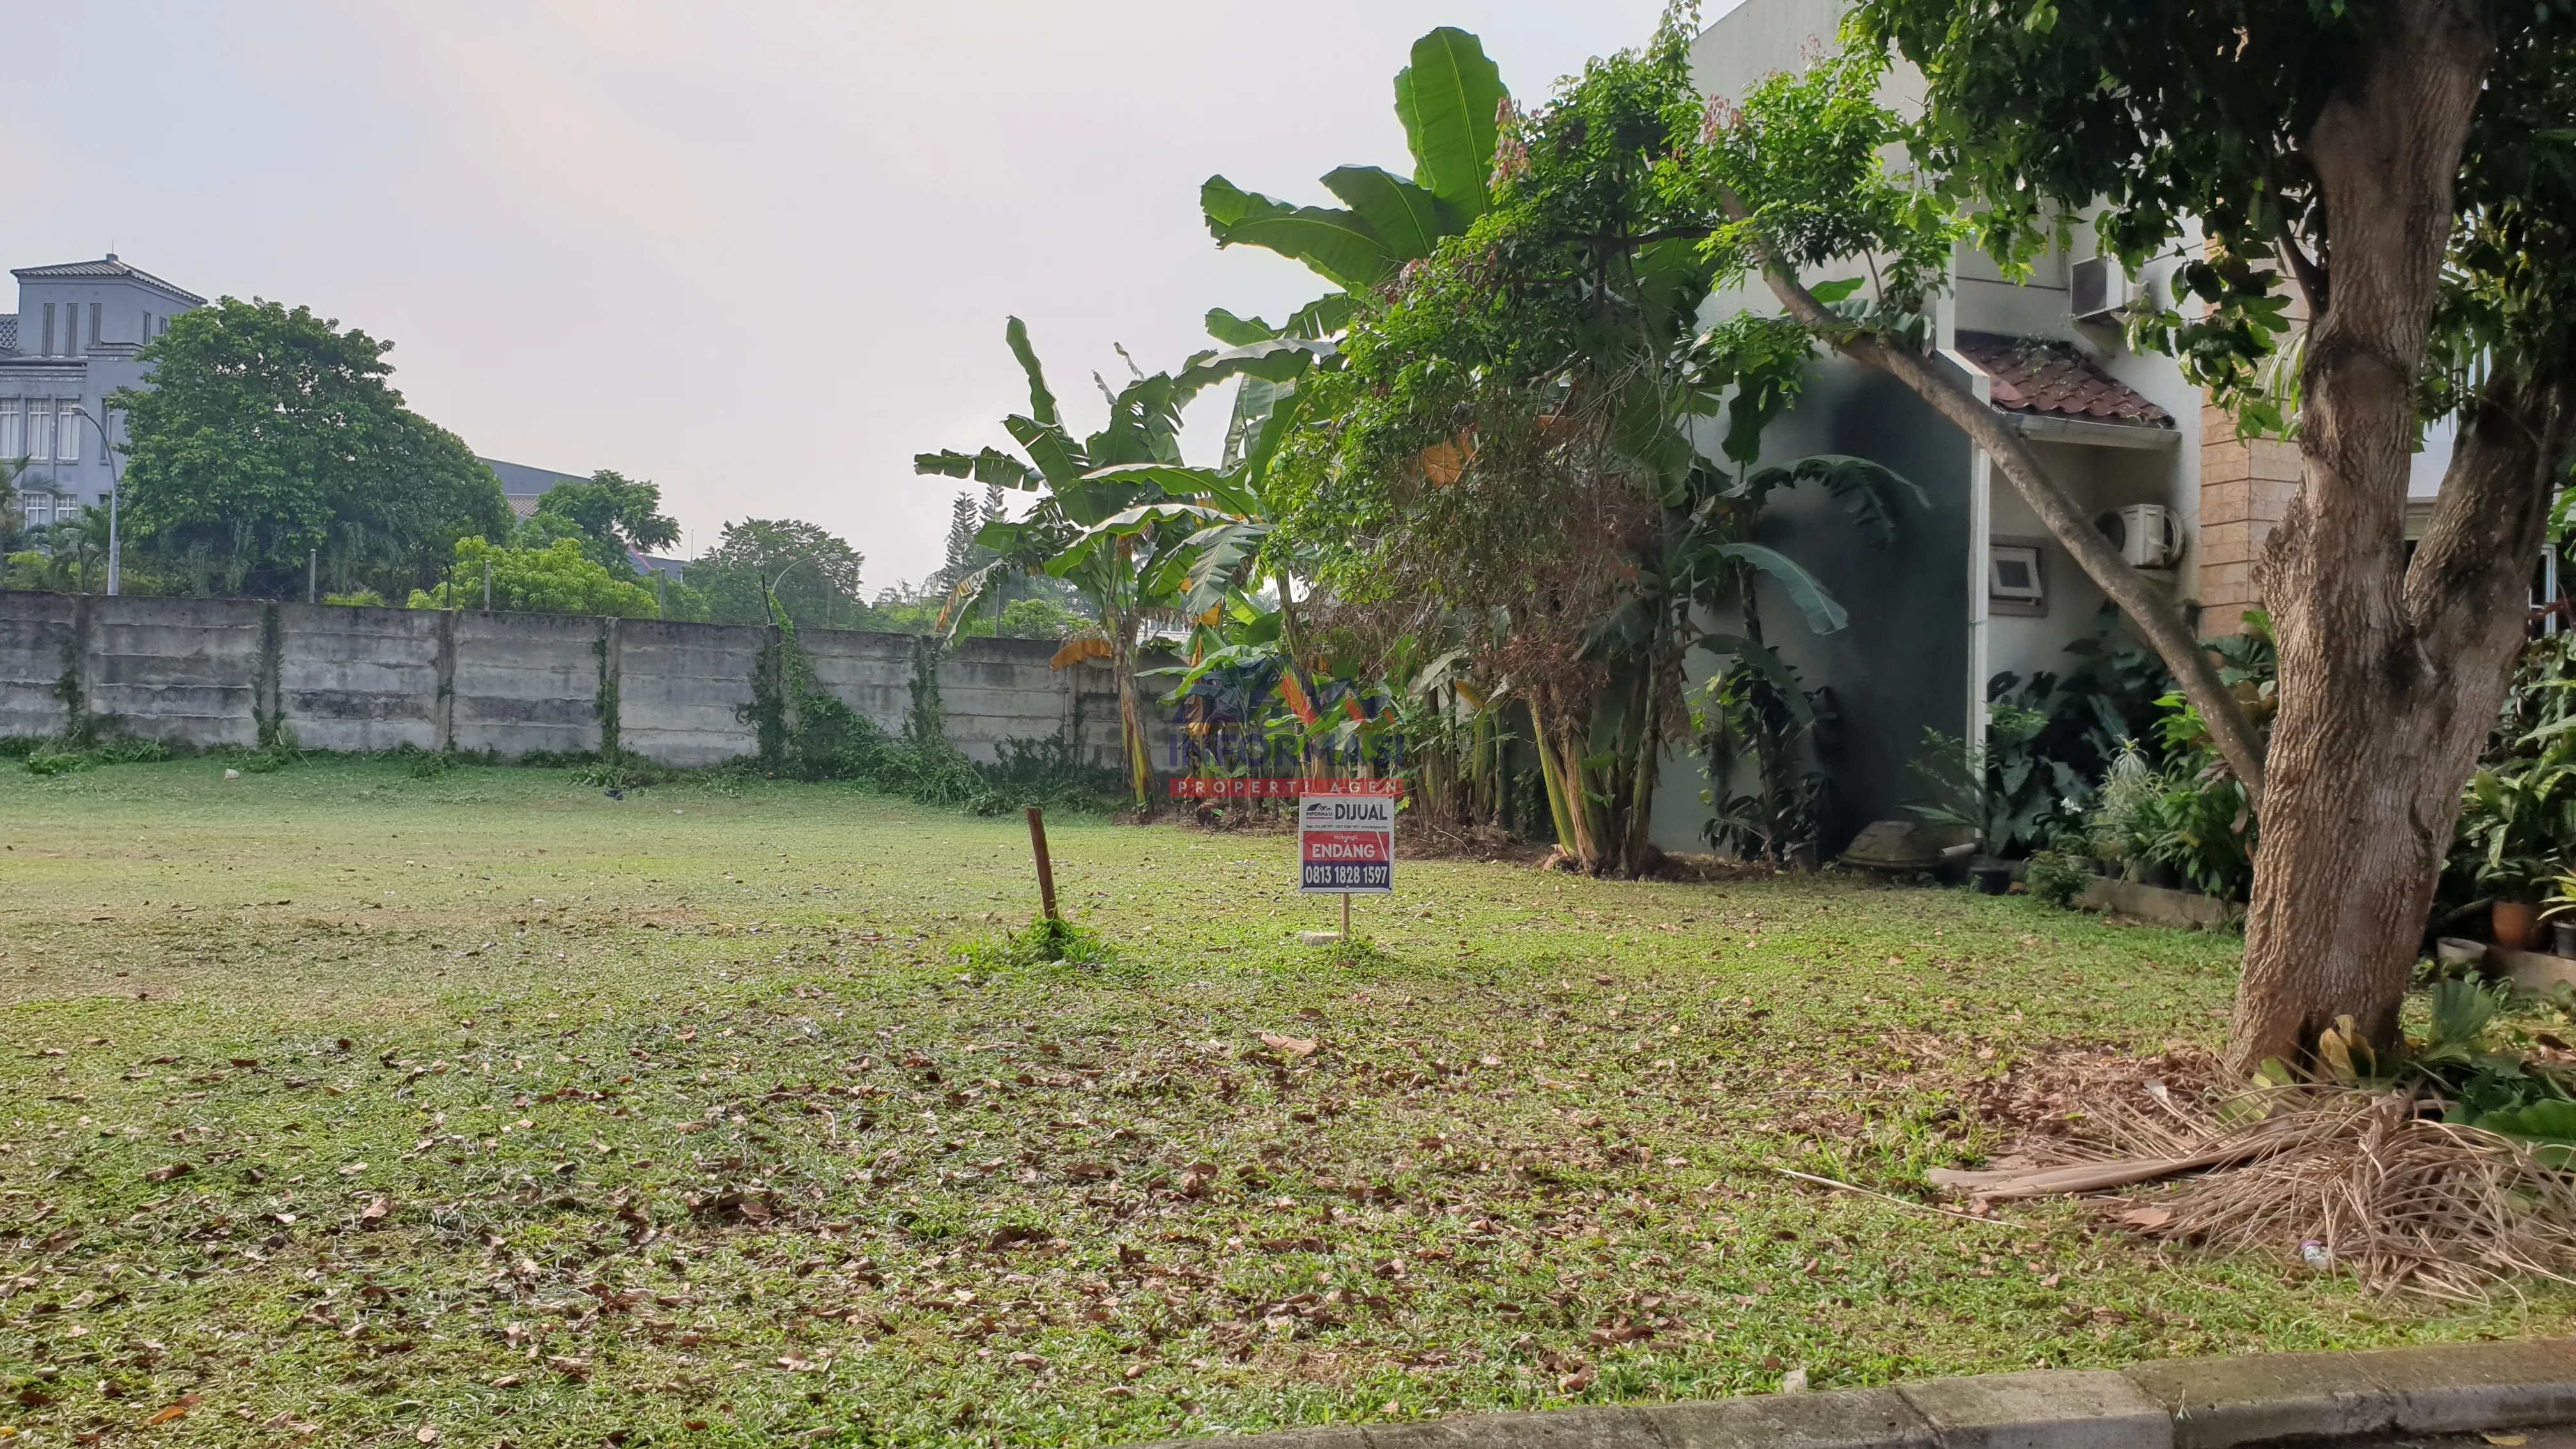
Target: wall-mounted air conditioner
2099 290
2148 535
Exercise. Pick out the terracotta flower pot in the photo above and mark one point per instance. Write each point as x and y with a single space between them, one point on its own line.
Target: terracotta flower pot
2513 923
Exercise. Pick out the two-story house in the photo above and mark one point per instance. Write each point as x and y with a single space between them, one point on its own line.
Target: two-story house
1977 588
72 342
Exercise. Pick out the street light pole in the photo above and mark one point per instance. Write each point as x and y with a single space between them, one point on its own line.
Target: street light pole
107 450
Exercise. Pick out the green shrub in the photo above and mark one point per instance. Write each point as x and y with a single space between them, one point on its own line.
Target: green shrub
131 752
2056 877
59 763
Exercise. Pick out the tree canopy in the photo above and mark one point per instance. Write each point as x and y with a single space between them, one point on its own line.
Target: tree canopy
813 574
268 432
608 514
555 579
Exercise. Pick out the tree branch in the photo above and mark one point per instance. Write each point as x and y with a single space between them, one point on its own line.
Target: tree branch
2234 734
2492 509
2311 277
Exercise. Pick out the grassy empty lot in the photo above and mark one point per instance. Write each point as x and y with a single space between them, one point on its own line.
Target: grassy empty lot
345 1106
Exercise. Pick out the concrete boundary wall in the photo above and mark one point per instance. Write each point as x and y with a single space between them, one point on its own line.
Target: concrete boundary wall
210 672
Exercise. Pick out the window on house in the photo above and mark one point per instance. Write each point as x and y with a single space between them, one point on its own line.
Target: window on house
67 434
96 309
2014 584
36 508
46 349
40 431
13 429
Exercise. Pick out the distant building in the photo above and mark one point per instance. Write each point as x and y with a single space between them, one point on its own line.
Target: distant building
72 342
524 485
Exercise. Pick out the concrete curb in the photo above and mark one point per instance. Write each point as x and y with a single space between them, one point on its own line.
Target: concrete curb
2204 1403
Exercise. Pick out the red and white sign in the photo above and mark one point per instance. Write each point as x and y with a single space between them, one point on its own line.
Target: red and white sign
1346 842
1279 788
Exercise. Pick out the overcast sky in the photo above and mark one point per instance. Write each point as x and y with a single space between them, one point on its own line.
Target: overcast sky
758 253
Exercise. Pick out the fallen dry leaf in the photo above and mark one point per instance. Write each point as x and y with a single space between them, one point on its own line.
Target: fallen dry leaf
2147 1218
374 1213
2509 1441
1289 1045
175 1411
164 1174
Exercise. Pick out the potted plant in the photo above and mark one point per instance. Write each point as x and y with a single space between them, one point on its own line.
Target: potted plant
2559 910
2515 880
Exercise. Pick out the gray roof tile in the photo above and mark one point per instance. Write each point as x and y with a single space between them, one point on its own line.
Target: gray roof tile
106 266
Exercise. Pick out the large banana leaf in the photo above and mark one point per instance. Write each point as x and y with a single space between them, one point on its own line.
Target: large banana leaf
1273 359
1216 555
1048 447
1041 401
1317 320
1449 99
992 467
1338 245
1178 481
1407 218
1872 493
1824 615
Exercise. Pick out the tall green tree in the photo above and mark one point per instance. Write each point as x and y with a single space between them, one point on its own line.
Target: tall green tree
811 572
1517 431
267 433
2407 170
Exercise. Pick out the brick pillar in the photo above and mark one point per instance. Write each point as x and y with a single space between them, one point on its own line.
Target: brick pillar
2245 488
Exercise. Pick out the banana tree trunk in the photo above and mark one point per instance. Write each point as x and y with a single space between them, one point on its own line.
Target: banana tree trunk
1564 789
1131 714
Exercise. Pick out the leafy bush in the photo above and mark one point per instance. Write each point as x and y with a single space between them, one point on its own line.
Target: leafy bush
50 757
1039 619
2055 877
2478 1086
556 579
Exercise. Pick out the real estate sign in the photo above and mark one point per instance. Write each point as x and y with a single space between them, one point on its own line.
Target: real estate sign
1346 841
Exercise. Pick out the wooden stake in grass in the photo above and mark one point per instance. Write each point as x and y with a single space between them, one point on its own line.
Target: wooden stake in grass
1046 867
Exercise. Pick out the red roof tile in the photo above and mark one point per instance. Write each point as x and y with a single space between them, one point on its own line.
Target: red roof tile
2035 375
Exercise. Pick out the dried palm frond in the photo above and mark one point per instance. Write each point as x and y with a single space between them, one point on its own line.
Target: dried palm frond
2357 1179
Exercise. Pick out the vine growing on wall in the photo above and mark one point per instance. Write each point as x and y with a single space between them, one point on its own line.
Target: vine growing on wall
805 732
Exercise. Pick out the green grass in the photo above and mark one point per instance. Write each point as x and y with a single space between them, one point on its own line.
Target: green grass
723 1113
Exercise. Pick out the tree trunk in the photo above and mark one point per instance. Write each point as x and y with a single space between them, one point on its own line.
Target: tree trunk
2390 677
1131 718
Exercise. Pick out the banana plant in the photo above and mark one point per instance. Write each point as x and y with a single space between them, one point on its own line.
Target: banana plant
1450 100
1083 483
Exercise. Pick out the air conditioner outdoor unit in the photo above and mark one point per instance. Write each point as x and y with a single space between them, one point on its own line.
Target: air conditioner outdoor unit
2099 290
2148 535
